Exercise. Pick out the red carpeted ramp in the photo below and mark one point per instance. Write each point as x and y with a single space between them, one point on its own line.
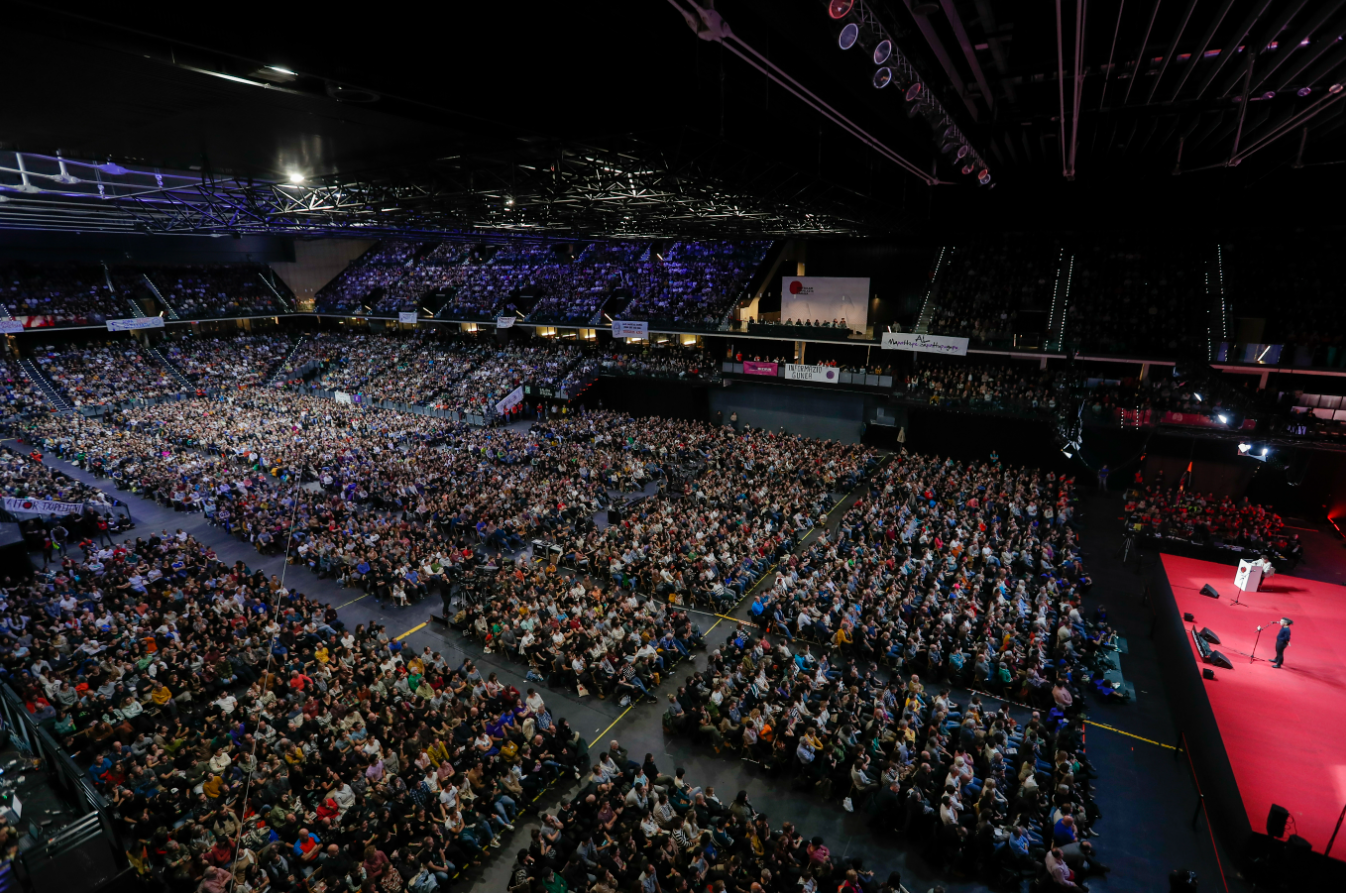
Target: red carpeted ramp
1284 730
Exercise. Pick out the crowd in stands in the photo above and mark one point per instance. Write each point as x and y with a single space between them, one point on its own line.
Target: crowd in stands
986 284
237 362
208 693
1019 388
949 575
205 291
57 294
20 396
1180 511
1290 283
1138 298
696 283
683 363
103 374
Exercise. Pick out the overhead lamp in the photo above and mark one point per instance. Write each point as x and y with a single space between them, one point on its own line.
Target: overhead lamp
295 177
913 93
1224 419
849 35
883 52
984 177
1265 451
1304 91
1197 396
882 78
968 168
1244 448
839 9
1335 88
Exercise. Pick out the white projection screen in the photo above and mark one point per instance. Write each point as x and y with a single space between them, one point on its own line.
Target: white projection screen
825 298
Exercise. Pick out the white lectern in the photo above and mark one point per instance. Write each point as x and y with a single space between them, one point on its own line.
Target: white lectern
1249 576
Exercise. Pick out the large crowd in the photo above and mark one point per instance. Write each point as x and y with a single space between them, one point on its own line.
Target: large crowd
1137 297
60 294
697 283
103 374
352 758
237 362
206 291
987 283
993 387
1171 510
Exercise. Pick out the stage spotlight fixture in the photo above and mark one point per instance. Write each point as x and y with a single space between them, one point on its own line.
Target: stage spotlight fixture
983 176
1244 447
967 169
849 35
1068 454
1224 419
839 9
295 177
1265 451
1304 91
882 78
883 51
1335 88
1197 396
962 152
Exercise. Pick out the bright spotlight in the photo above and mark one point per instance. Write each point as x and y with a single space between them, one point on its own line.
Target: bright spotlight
983 176
849 35
295 177
883 51
1244 447
1264 451
1224 419
882 78
1197 396
1068 454
839 9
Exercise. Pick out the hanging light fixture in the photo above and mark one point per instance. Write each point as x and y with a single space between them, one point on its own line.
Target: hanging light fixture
849 35
883 52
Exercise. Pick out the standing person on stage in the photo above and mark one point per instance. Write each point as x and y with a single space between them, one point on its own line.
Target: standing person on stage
1282 642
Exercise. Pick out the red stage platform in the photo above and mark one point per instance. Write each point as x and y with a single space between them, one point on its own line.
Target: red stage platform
1283 730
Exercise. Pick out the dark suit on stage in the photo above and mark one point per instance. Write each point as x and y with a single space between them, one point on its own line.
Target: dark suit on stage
1282 640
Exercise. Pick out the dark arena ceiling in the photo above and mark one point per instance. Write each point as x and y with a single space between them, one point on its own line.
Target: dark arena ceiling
669 118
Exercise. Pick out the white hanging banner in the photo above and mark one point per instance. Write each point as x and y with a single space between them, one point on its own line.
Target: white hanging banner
945 344
815 374
10 325
407 316
139 322
505 322
630 328
514 398
42 506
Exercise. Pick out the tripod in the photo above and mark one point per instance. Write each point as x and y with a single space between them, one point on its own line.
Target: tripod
1237 604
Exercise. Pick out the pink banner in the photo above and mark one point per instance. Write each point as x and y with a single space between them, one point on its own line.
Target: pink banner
751 368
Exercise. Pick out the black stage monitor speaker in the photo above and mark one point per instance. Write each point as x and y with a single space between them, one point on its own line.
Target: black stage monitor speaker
1276 820
1220 661
1207 673
1202 646
1209 590
1189 618
1209 635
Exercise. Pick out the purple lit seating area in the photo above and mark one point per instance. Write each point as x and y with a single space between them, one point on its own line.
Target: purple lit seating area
213 291
599 271
57 294
696 283
1134 297
986 283
365 282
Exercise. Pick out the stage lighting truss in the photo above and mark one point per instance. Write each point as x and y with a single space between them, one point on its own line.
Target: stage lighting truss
862 28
